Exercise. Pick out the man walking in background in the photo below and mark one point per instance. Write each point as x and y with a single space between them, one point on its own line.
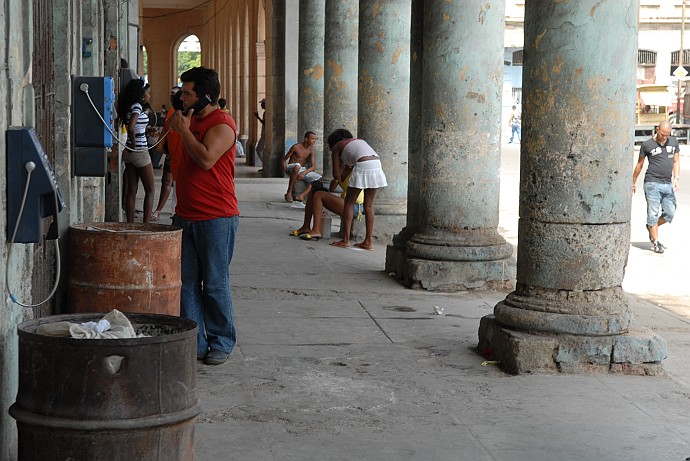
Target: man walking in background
660 180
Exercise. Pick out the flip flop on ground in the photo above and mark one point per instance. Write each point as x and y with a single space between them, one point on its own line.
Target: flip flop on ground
309 237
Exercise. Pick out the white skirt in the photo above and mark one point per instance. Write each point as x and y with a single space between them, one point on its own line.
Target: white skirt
368 175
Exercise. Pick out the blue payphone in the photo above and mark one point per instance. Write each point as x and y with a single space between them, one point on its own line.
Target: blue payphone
32 191
93 100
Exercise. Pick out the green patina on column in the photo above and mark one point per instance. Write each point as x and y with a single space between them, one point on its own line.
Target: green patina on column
575 193
312 15
340 58
457 245
574 230
395 252
383 102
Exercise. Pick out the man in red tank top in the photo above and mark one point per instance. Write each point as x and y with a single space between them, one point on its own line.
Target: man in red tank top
207 212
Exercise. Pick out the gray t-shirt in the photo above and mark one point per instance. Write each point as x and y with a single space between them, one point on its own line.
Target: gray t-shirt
660 159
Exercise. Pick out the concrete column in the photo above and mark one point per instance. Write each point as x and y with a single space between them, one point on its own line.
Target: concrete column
456 245
291 71
312 17
395 252
91 190
256 56
16 60
383 102
113 210
275 88
340 82
568 311
244 112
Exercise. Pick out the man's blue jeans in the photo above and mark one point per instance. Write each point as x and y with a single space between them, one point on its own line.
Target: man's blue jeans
659 194
513 130
207 248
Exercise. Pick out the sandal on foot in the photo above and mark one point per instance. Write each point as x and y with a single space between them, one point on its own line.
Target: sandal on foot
296 233
340 244
309 237
288 198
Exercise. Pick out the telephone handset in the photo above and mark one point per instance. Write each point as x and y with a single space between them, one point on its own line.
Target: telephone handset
203 101
32 189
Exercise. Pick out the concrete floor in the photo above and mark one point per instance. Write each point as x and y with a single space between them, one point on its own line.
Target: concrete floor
337 361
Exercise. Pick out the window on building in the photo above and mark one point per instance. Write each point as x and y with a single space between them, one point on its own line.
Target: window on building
676 54
517 96
517 58
646 65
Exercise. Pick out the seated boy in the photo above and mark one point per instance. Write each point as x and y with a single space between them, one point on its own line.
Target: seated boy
294 164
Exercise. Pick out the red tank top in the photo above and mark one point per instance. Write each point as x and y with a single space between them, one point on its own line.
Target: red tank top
207 194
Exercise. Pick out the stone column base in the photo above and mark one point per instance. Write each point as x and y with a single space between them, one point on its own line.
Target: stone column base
638 352
450 276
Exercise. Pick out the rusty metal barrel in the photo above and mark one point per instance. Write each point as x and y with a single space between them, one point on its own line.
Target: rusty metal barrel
131 267
107 399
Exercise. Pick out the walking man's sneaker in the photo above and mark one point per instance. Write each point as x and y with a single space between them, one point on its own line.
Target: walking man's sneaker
658 247
216 357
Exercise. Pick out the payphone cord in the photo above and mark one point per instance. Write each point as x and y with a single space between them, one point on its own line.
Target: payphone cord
30 167
85 88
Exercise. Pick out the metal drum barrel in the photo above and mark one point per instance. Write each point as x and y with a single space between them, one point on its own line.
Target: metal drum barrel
107 399
126 266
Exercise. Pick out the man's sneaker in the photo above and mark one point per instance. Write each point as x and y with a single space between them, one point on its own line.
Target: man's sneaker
658 247
216 357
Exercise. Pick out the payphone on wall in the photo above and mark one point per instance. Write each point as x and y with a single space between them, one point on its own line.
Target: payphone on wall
92 118
32 191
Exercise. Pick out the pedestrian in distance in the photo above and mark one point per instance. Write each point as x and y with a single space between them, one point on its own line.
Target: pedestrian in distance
514 123
261 144
660 181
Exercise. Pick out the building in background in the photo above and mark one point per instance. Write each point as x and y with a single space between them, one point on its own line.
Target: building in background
659 51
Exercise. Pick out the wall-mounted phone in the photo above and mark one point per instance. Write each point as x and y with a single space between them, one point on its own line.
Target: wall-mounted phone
92 120
32 191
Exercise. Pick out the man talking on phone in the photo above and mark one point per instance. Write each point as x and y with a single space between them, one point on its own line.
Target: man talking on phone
207 212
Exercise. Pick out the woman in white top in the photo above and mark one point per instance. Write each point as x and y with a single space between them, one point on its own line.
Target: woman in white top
364 163
130 108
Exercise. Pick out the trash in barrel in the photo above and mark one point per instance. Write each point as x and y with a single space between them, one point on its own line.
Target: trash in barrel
107 399
132 267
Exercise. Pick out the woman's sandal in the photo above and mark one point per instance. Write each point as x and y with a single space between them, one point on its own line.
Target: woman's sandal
309 237
296 233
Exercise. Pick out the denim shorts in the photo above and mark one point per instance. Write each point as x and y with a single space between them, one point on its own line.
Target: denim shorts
659 194
358 211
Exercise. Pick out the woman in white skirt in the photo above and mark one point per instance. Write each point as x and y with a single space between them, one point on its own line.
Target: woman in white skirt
365 164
